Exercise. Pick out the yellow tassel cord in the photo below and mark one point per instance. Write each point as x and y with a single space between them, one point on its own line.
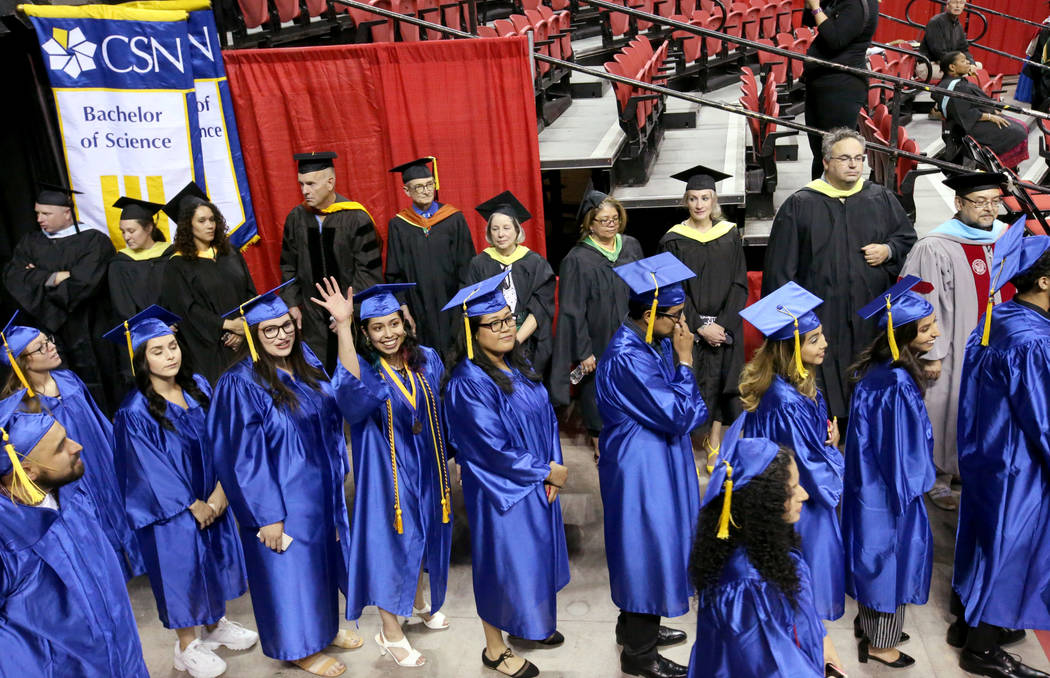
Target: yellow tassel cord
894 351
802 371
22 487
434 162
131 351
987 332
439 450
398 525
712 455
16 368
248 336
727 500
466 321
652 310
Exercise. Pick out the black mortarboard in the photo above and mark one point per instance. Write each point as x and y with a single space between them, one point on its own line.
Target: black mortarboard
52 194
313 162
700 178
504 203
417 169
190 190
970 182
591 199
133 208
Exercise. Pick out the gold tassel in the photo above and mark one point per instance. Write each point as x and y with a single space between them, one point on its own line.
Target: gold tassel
894 351
434 162
248 336
987 322
398 525
17 369
727 500
131 351
802 371
466 329
652 310
22 485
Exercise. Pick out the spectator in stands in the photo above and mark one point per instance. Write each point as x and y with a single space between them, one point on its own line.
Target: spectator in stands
944 33
326 235
136 273
203 279
713 249
428 244
64 610
1038 53
956 258
1007 137
529 289
845 240
592 301
834 98
57 274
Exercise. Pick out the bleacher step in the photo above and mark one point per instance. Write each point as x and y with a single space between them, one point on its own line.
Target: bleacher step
585 86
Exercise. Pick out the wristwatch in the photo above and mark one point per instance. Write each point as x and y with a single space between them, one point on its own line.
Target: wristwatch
818 10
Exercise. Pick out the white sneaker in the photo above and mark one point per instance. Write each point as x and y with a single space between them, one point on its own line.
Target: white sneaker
228 633
198 661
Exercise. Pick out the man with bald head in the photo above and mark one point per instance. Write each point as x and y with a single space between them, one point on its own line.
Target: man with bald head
64 609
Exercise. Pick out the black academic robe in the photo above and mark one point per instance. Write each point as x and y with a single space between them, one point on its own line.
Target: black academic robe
719 290
533 280
1040 76
943 34
200 290
346 246
433 253
77 311
816 242
592 303
965 117
135 284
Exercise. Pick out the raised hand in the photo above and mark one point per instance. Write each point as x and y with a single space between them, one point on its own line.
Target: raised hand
340 307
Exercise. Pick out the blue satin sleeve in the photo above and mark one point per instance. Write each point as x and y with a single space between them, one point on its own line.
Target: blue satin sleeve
153 489
1031 369
505 472
358 398
24 654
236 422
820 466
672 406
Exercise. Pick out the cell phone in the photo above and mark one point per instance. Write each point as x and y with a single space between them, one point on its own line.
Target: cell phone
286 541
833 671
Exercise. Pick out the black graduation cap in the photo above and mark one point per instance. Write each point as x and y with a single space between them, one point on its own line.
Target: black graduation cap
314 162
190 190
591 199
970 182
417 169
53 194
504 203
700 178
133 208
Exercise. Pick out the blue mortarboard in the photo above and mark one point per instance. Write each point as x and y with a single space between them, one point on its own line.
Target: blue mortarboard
899 305
1032 248
149 323
656 280
379 300
1014 254
739 460
20 432
16 338
478 299
260 308
785 313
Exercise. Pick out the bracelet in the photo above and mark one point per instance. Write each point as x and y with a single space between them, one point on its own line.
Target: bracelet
817 11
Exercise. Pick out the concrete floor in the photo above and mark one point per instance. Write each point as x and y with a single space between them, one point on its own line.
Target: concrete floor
586 614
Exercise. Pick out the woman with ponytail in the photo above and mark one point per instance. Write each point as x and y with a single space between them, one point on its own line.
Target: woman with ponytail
165 466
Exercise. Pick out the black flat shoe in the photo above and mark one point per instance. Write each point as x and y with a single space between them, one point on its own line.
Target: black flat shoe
997 664
553 640
858 632
664 638
864 654
957 635
652 666
527 670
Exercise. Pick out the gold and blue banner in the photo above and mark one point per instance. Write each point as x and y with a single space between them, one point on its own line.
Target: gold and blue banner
143 108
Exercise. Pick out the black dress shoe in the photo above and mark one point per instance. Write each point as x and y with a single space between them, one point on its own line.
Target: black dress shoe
997 664
651 666
665 636
858 632
527 670
553 640
864 654
957 635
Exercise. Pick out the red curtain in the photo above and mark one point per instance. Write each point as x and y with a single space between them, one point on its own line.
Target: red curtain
470 103
1003 34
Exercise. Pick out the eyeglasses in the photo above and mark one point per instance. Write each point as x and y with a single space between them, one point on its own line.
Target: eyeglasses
499 324
272 331
608 221
673 316
981 204
422 188
850 159
49 340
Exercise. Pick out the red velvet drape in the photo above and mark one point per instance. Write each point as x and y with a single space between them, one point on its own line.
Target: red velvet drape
1003 34
470 103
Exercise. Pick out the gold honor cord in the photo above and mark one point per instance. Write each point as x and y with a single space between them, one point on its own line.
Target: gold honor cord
894 351
652 310
987 331
439 450
802 371
398 524
16 368
131 351
21 484
727 500
410 396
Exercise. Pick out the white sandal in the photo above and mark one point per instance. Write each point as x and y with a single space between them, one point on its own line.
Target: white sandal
411 659
437 621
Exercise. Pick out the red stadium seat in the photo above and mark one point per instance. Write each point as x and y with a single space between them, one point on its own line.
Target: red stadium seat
316 7
287 9
255 12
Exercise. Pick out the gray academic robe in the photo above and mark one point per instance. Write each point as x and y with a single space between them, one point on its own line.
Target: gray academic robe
939 258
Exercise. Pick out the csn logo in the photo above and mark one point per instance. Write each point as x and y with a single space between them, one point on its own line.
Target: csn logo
70 52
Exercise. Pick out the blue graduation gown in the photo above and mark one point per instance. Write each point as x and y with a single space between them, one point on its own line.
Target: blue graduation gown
1003 544
76 410
504 444
789 418
64 610
747 628
193 572
384 565
649 483
278 464
889 467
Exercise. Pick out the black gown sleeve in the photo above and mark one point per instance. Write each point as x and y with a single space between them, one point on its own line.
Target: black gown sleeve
541 300
964 113
367 249
395 253
782 252
123 278
26 285
902 234
290 252
183 297
574 337
735 301
462 247
86 274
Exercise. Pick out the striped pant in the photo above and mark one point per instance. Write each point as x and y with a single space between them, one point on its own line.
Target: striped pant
882 629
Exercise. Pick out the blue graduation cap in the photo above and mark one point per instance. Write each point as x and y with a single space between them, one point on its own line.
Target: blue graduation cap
785 313
478 299
378 300
1014 254
16 338
656 280
899 305
20 433
739 461
149 323
260 308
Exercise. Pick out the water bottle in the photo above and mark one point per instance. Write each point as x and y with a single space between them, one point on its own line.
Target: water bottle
576 376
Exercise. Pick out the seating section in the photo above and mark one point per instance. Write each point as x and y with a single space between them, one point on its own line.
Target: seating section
761 154
639 109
